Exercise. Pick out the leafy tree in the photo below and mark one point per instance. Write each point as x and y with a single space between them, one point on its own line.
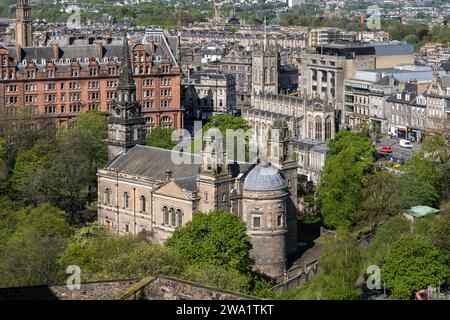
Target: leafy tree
431 165
161 138
386 234
340 191
381 198
416 191
29 171
33 240
412 263
217 238
340 265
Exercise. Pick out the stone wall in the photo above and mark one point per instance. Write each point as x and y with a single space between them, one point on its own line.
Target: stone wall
164 288
160 288
103 290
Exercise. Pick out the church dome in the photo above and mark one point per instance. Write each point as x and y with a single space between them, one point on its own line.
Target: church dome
263 178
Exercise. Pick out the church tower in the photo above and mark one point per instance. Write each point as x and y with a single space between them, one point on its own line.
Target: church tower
265 65
126 121
24 32
281 155
214 178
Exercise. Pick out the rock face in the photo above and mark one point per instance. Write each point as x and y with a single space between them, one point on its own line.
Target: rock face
160 288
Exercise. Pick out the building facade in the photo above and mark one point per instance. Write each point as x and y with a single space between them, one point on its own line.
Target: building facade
206 93
59 82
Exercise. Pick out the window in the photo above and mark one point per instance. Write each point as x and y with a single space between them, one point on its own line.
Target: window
256 222
142 204
127 228
180 217
165 216
224 197
173 218
126 200
206 196
280 221
135 134
107 196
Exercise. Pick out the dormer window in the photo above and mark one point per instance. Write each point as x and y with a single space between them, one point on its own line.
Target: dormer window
399 95
407 97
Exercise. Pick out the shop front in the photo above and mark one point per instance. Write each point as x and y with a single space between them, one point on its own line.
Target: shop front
414 135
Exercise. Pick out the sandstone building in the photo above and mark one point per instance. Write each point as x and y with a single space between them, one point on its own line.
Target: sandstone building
151 191
59 82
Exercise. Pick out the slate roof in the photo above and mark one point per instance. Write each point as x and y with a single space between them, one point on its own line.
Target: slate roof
153 163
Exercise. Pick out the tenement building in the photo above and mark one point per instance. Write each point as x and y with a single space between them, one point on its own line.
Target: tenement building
324 68
59 82
153 191
208 92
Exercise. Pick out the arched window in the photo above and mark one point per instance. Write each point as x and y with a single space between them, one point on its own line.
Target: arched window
272 74
328 128
173 218
143 205
180 217
266 75
117 134
107 196
165 215
126 200
310 127
318 125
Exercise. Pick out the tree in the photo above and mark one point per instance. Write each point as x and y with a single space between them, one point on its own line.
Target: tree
29 170
412 263
340 265
340 191
217 238
381 199
431 165
161 138
31 243
385 235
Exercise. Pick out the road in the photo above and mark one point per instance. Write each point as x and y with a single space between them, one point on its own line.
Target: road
397 151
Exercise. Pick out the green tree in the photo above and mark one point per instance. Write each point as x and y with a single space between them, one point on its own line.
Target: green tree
161 138
412 263
340 265
385 235
381 199
340 191
32 240
217 238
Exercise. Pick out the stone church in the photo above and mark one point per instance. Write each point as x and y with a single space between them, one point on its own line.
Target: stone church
142 190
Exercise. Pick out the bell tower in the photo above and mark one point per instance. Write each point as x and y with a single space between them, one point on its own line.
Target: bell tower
214 179
126 121
24 27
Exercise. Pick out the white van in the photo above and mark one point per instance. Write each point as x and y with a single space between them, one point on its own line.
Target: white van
405 144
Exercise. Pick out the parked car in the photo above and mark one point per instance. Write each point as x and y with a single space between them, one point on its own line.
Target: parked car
405 144
386 149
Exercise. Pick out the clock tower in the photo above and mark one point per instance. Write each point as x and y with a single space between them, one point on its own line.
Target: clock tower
126 121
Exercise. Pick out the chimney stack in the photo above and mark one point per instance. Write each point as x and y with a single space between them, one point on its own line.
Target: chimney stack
168 175
56 54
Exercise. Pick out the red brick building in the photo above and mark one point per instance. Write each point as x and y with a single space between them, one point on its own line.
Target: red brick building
60 82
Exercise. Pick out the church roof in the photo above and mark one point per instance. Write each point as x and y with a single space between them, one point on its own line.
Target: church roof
263 177
153 163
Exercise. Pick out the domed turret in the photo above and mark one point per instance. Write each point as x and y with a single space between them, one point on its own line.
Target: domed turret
263 178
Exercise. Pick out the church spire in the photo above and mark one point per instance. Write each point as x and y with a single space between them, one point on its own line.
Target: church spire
126 81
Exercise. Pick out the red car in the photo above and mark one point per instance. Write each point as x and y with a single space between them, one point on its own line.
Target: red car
386 149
